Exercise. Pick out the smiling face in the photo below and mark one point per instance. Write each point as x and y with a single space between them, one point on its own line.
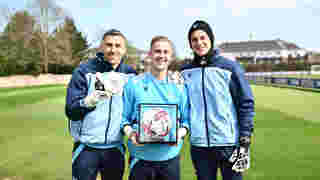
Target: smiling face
161 55
200 42
114 48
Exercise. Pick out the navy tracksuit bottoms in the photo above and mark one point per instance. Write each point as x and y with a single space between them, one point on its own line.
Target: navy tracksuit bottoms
110 163
156 170
207 160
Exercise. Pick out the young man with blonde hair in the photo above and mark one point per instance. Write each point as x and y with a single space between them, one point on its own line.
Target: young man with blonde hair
155 161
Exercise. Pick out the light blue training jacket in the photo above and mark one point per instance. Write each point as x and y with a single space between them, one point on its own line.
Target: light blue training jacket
145 88
221 100
99 126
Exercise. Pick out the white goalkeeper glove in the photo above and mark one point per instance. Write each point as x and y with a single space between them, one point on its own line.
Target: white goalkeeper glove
92 99
114 82
240 157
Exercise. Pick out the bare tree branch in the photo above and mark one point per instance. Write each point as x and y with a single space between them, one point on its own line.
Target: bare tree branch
5 14
47 13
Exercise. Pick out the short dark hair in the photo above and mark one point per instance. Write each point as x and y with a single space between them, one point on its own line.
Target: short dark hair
113 32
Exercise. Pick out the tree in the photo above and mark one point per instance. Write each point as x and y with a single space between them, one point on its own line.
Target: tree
132 57
47 13
4 58
15 41
20 26
69 44
79 43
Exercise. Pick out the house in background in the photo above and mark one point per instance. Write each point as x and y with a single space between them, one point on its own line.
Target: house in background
264 51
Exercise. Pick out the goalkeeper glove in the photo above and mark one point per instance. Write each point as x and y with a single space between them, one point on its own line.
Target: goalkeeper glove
92 99
240 157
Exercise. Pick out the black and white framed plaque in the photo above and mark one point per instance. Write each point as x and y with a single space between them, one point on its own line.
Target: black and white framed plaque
158 123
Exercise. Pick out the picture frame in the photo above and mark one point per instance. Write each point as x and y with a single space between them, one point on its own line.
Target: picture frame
158 123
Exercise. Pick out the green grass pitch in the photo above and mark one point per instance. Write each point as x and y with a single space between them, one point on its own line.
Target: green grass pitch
35 144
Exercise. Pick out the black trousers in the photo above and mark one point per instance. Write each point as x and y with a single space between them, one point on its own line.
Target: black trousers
156 170
110 163
206 162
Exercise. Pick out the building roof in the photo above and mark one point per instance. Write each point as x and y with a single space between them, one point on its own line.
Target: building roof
253 46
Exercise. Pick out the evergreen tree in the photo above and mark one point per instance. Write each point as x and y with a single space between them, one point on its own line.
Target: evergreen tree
15 45
47 14
69 45
132 57
79 45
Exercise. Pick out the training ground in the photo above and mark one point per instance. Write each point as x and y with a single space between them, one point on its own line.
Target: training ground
35 144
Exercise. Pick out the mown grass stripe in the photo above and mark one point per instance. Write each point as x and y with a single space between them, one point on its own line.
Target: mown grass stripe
29 96
297 103
13 89
285 145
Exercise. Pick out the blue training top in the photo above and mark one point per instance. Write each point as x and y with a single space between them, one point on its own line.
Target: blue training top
145 88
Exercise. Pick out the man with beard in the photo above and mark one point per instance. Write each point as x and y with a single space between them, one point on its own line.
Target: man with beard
95 114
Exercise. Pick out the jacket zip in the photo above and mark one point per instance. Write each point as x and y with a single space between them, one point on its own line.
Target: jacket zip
110 106
109 119
205 106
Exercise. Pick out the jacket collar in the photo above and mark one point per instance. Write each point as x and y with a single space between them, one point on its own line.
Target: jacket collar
206 59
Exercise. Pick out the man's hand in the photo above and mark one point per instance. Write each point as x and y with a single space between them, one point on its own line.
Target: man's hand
92 99
132 135
181 133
